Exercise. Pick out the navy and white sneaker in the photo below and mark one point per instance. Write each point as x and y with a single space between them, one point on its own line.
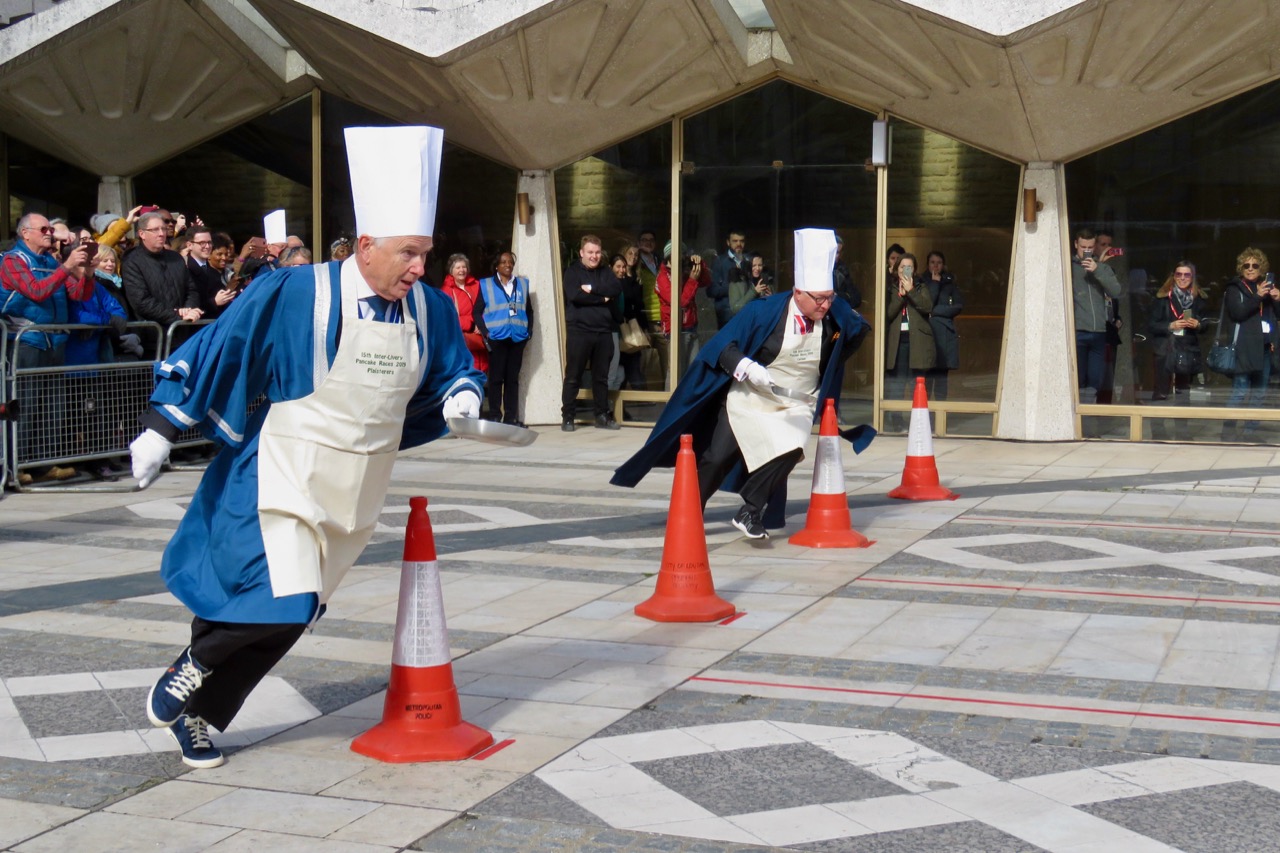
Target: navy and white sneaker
750 523
169 696
192 735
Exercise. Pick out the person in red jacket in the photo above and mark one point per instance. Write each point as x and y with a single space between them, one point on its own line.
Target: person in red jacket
695 275
464 289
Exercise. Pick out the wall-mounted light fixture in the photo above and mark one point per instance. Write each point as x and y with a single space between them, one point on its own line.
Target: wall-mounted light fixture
1030 207
881 144
524 210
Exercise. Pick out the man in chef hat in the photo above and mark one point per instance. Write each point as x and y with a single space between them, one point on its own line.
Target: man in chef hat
356 360
748 437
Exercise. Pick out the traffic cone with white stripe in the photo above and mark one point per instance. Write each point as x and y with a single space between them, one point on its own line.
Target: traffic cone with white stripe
920 477
421 718
828 524
685 591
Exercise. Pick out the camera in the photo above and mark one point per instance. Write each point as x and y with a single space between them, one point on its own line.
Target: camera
70 247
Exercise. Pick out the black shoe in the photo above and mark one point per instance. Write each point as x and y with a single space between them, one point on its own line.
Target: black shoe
606 422
749 522
567 426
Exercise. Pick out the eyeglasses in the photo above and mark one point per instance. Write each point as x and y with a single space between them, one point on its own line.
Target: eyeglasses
821 300
170 222
155 230
202 242
1182 275
43 229
1250 266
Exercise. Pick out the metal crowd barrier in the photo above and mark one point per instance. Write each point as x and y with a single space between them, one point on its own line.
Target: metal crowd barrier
6 396
191 444
76 414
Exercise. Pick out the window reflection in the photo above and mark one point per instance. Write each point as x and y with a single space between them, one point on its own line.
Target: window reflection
1197 190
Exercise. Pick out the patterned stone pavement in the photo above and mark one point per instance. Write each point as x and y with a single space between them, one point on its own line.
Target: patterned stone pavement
1082 653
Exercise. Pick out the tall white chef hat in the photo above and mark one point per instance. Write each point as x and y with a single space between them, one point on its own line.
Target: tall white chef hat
274 229
815 259
395 174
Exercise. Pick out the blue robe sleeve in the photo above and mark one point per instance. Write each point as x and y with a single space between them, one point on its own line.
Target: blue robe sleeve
211 380
450 369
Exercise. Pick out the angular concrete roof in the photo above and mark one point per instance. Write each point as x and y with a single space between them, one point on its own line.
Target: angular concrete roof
117 87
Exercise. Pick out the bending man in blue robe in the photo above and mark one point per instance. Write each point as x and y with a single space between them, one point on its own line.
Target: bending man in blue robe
747 438
356 360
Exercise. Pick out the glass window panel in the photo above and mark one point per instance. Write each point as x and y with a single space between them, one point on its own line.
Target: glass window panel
616 194
1200 189
770 161
40 183
235 179
949 197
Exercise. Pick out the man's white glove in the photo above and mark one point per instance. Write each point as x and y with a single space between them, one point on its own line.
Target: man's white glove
753 372
131 343
149 450
464 404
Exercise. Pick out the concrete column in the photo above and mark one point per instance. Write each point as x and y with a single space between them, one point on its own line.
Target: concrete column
115 195
1037 395
543 374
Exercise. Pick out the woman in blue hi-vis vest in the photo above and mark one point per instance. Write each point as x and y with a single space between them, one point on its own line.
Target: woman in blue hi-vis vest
504 315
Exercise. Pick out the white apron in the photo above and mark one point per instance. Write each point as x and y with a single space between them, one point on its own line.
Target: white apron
767 426
324 461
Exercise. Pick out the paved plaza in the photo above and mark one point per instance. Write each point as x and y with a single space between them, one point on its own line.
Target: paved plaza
1080 654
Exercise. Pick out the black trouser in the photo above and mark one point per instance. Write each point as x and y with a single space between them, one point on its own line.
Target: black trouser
240 655
505 360
581 349
723 453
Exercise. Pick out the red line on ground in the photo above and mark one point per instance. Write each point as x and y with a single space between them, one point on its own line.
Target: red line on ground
1079 592
497 747
734 618
1062 522
973 701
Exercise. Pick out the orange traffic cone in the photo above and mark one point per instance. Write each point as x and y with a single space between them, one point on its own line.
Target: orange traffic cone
920 477
421 718
828 524
685 591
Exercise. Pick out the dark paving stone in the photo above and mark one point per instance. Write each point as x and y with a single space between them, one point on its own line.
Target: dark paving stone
59 714
1035 552
1234 817
480 833
1007 761
67 783
532 799
967 837
758 779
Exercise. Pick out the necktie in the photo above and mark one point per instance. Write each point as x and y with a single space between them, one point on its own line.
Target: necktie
803 324
378 306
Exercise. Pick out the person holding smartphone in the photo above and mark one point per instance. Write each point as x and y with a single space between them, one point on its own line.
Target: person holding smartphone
1091 285
1175 327
910 349
1250 305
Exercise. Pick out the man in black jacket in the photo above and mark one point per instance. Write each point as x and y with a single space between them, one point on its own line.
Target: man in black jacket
213 296
591 292
156 279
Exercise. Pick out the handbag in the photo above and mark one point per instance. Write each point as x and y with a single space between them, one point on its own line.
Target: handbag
1184 360
1222 357
632 336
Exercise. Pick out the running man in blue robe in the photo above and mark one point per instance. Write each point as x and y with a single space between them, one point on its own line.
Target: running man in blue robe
355 361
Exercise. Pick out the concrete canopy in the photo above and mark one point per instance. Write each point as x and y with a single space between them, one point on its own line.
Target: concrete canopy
116 87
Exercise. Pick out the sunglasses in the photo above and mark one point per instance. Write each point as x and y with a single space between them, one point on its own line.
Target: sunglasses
1250 266
1182 275
43 229
170 222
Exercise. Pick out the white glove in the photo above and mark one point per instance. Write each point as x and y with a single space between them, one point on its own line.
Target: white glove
753 372
149 450
464 404
132 344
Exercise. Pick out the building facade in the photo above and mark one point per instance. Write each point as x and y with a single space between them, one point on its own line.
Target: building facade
1008 126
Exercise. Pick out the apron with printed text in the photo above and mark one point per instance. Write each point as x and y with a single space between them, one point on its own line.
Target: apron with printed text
764 425
324 461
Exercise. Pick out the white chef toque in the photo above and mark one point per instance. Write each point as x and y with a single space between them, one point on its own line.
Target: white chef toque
395 174
274 229
815 258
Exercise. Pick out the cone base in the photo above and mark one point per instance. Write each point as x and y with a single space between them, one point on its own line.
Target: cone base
703 608
923 493
400 742
830 539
